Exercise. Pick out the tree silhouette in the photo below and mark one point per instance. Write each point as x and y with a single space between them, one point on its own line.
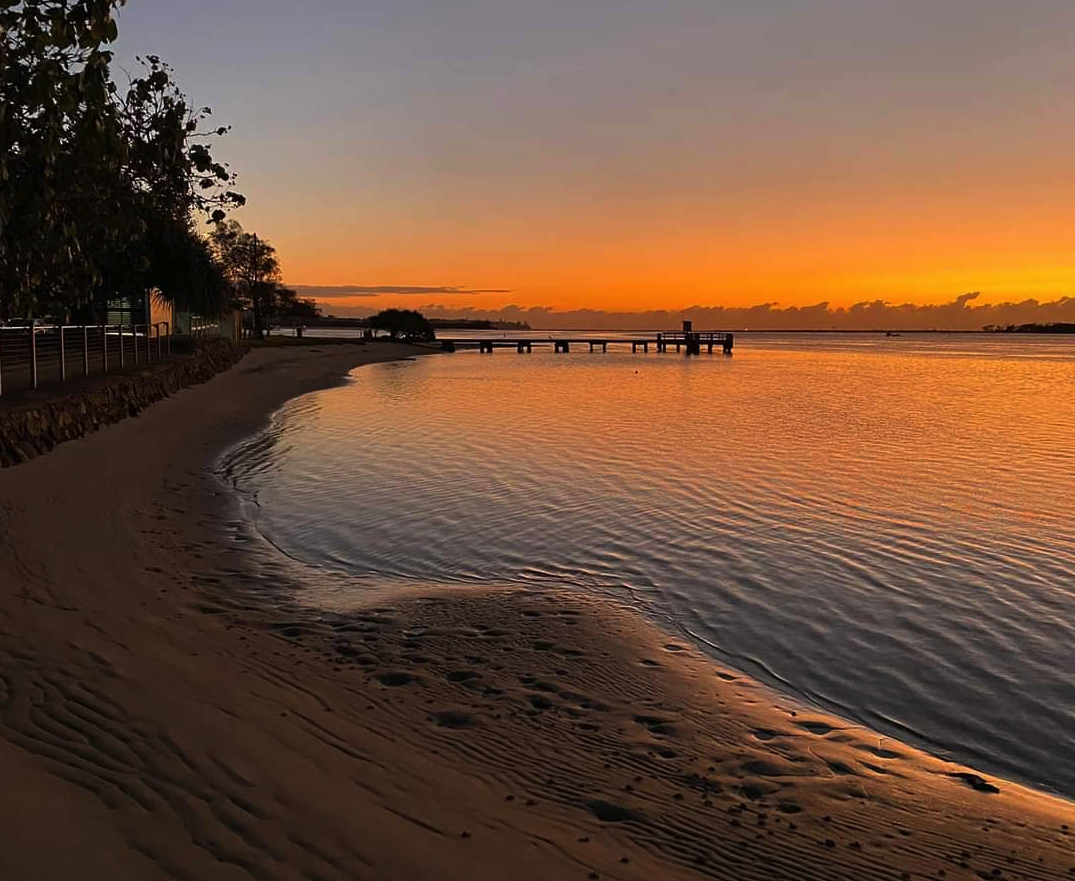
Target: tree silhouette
403 324
92 175
251 267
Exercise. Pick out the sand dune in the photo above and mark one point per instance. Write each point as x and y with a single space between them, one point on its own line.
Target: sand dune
179 701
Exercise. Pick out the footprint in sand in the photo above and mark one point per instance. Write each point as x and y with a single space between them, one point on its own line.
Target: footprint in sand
819 728
978 784
457 719
610 812
396 678
656 725
540 702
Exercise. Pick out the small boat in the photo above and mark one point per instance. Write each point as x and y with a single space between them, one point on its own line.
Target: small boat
892 333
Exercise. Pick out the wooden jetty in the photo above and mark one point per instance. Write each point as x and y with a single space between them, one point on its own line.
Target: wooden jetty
692 341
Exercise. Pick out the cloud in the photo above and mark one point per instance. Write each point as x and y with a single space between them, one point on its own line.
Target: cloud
346 291
962 313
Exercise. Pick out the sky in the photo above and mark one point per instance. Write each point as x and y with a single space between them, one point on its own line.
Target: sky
628 155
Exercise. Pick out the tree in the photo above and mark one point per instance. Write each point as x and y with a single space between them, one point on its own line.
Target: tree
168 179
92 178
289 306
252 269
55 119
183 270
404 324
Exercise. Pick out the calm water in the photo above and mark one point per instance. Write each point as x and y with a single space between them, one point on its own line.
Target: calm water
881 527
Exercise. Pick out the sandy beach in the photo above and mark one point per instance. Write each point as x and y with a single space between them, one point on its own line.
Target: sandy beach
175 704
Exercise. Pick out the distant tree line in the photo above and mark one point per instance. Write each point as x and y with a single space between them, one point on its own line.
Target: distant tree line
478 324
435 323
104 187
1053 327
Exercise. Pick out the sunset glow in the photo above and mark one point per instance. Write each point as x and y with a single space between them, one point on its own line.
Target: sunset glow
630 156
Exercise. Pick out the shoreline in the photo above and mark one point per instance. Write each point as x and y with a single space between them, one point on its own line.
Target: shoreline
170 707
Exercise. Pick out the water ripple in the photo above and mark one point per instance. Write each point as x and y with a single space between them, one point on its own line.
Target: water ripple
883 530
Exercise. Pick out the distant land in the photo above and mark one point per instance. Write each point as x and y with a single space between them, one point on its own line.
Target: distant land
439 323
1054 327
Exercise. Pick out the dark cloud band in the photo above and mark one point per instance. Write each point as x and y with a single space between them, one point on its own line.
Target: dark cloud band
341 292
962 313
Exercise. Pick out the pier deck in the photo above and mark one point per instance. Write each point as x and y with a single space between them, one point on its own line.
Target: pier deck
691 341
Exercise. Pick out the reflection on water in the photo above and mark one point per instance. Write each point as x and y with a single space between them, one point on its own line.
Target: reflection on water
883 527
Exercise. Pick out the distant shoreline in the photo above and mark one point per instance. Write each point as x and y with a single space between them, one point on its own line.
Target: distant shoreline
891 332
875 332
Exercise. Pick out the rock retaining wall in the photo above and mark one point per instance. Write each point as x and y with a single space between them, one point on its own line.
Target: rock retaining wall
38 421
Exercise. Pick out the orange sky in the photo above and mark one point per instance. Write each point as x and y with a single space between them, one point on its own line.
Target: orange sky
624 155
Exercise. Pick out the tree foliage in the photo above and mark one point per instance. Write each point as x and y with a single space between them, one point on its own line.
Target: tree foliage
99 186
252 269
290 306
404 324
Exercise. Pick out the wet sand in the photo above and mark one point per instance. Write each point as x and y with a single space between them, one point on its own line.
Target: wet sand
177 700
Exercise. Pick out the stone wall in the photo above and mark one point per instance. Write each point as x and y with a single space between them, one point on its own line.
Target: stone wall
35 422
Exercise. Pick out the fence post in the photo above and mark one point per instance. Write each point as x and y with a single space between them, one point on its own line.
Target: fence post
157 334
104 348
134 339
122 363
33 355
63 357
168 324
1 362
85 350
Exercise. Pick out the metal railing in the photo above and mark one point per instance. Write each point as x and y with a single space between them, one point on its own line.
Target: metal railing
34 356
705 336
203 328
